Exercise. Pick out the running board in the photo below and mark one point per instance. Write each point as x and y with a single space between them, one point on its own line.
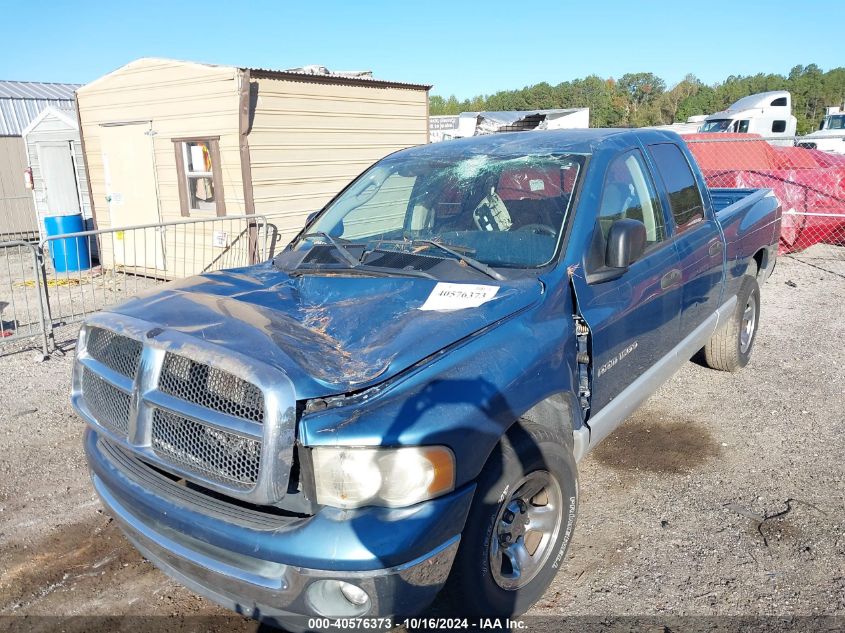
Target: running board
617 410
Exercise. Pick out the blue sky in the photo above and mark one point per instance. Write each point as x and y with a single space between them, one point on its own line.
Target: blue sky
462 48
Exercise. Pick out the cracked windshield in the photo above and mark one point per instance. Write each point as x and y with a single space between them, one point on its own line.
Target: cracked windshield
414 213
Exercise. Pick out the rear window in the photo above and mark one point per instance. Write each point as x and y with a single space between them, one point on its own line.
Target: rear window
684 196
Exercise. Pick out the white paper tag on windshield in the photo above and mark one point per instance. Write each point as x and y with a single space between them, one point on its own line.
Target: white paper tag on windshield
458 296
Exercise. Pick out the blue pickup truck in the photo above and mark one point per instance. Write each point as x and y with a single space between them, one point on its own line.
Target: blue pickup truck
392 410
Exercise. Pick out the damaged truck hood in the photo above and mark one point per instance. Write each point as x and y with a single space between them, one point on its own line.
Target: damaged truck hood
330 334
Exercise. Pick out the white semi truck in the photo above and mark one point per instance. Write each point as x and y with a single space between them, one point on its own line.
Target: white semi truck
830 137
768 114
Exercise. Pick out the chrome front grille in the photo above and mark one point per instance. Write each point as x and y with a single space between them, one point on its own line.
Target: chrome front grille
108 404
164 396
211 388
215 454
116 352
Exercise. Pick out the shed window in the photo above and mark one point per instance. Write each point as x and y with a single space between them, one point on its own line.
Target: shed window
198 171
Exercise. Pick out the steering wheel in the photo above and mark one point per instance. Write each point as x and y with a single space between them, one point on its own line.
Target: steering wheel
539 229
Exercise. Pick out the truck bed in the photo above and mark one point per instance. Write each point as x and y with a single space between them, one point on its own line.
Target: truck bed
723 198
750 221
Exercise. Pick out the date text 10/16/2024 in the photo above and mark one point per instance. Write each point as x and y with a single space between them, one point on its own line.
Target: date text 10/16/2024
413 624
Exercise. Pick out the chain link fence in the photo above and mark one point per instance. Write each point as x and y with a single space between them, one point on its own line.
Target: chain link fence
63 278
809 182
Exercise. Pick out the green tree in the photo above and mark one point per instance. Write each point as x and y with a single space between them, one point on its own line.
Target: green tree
637 99
669 103
641 88
436 105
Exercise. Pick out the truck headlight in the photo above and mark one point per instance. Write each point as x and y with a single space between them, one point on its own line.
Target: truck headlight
347 477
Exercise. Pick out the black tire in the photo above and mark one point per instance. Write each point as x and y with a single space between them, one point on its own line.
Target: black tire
729 349
529 450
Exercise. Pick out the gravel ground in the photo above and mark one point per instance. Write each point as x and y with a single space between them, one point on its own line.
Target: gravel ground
723 495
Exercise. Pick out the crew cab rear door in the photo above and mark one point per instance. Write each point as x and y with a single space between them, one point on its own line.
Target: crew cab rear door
698 237
633 319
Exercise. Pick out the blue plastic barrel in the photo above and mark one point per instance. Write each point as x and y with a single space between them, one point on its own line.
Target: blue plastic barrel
69 254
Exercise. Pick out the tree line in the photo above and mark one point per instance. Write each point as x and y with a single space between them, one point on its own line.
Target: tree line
639 99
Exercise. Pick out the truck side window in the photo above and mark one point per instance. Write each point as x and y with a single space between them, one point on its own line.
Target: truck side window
742 128
629 193
778 126
684 196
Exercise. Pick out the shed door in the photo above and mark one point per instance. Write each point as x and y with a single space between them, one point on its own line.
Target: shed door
131 195
59 175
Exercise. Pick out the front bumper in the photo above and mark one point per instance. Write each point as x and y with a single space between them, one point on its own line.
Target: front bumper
192 538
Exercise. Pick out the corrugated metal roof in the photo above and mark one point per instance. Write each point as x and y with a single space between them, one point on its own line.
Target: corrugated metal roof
36 90
21 102
16 114
316 69
353 77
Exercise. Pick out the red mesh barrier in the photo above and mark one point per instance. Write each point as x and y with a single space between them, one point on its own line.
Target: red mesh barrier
810 184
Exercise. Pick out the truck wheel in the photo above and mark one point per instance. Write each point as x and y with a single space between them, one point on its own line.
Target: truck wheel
730 347
519 526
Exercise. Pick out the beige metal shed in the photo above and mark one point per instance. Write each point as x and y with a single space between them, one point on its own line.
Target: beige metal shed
167 140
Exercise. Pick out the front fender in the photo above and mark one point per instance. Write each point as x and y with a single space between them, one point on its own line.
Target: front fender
465 399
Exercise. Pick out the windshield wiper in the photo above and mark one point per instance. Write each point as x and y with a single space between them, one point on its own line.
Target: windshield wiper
370 271
469 261
356 264
353 263
349 257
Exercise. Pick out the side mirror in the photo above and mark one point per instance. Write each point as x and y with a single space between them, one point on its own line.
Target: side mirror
625 243
310 217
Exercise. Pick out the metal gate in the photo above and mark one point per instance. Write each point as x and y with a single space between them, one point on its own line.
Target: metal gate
22 298
66 277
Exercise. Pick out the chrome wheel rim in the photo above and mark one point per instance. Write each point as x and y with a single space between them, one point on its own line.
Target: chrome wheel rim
748 325
526 528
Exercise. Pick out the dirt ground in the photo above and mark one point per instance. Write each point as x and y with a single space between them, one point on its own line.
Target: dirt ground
724 495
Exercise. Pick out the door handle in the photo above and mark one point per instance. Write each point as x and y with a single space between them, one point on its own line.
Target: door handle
715 248
670 279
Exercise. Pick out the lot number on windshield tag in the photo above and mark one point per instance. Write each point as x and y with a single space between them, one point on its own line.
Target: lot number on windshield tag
458 296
